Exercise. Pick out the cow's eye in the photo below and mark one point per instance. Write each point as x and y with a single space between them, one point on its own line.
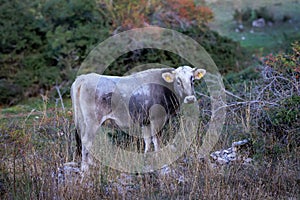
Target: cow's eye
179 82
192 80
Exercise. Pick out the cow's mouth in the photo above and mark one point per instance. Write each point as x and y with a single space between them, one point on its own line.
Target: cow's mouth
189 99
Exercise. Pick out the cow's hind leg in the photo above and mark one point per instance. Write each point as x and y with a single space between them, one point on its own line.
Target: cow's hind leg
78 143
88 140
84 160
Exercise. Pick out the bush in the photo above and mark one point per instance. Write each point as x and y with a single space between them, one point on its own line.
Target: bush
248 15
10 93
265 104
287 115
225 52
281 88
44 42
246 75
167 13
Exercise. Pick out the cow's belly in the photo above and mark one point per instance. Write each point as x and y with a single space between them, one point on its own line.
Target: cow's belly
126 110
149 96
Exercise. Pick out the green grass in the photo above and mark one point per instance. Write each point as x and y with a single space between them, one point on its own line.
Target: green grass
262 40
267 39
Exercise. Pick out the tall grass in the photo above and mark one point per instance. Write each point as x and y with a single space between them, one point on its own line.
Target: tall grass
35 147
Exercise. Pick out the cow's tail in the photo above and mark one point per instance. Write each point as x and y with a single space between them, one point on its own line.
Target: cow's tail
75 95
78 143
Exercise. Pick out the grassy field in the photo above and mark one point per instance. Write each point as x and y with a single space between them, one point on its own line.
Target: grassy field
38 139
261 40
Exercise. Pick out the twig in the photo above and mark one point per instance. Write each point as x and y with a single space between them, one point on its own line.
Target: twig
60 97
27 117
233 95
246 102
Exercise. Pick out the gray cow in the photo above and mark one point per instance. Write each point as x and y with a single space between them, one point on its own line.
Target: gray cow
147 98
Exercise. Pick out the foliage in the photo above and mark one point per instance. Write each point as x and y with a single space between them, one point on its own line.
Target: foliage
225 52
129 14
182 13
167 13
281 85
10 93
246 75
287 64
43 41
248 15
287 115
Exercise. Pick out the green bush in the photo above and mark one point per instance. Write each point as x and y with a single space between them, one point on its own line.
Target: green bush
44 42
9 93
286 116
248 15
281 87
224 51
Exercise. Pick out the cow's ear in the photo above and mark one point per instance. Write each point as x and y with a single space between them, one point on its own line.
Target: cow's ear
199 73
168 77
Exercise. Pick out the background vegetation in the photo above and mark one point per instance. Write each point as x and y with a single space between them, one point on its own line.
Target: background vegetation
43 43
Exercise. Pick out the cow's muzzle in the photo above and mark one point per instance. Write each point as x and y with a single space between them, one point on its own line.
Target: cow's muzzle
189 99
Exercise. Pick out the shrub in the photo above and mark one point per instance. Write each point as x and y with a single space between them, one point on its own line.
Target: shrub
281 88
225 52
10 93
266 105
167 13
287 115
281 73
42 43
182 13
246 75
247 15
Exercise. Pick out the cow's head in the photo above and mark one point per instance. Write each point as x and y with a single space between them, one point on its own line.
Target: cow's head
183 79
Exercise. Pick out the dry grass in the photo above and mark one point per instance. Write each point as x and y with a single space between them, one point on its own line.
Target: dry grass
33 150
35 146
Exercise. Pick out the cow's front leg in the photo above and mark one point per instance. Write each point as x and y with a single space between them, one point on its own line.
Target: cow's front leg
158 118
155 143
146 131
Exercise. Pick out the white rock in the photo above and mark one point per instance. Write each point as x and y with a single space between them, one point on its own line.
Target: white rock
259 23
222 161
231 154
